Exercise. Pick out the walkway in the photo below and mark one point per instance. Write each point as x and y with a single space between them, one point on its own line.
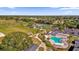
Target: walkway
42 43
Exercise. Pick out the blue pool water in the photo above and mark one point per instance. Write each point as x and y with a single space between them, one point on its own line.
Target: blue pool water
56 39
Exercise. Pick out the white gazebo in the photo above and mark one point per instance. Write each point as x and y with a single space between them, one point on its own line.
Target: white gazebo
2 34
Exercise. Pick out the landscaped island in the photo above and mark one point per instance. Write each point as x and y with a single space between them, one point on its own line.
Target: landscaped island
39 33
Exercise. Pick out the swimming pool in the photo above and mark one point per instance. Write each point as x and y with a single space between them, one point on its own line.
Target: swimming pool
56 39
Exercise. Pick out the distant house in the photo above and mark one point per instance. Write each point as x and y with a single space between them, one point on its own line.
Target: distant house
66 31
72 31
37 26
76 49
77 43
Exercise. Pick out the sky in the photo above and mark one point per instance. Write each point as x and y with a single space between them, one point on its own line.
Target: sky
39 10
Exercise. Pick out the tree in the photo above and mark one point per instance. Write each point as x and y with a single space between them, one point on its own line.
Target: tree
16 41
70 23
78 26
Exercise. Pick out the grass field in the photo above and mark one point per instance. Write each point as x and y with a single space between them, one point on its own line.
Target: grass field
7 26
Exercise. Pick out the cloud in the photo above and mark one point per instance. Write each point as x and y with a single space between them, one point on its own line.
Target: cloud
69 8
12 7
